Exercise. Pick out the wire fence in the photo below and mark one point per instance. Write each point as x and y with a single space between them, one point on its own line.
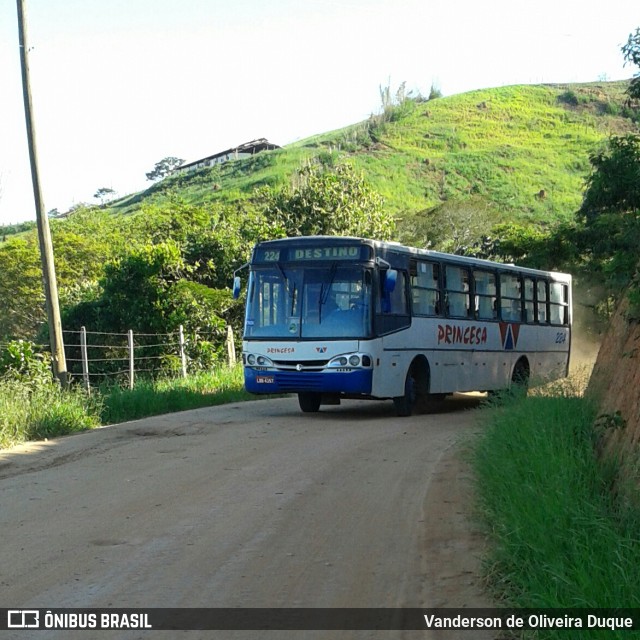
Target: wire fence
96 356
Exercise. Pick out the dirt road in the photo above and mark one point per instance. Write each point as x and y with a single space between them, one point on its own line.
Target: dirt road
246 505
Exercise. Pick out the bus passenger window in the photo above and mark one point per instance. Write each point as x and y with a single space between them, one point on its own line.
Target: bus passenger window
485 289
457 288
425 289
543 316
558 297
510 300
529 304
397 299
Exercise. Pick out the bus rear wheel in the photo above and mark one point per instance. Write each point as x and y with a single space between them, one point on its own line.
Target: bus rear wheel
309 402
520 375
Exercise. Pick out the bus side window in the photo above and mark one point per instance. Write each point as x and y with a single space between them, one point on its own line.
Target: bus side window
559 301
457 291
529 301
543 315
510 299
485 291
394 302
393 312
425 288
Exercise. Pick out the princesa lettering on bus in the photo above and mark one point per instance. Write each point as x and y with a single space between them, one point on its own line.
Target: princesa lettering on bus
457 334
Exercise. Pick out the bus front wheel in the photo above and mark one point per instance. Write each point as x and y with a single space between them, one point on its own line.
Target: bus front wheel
309 402
404 404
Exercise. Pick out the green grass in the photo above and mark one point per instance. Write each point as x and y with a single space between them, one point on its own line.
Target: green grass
28 413
505 144
558 536
43 412
150 398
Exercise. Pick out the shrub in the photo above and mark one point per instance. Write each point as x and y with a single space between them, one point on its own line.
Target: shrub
21 362
569 97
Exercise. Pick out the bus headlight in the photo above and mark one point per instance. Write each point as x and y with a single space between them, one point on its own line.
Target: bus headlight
260 361
354 360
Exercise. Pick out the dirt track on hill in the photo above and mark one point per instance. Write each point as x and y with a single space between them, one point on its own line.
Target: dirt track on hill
246 505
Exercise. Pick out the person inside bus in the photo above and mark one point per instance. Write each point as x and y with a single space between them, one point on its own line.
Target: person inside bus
330 306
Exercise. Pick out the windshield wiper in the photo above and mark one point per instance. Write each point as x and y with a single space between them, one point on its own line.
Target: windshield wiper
324 293
284 277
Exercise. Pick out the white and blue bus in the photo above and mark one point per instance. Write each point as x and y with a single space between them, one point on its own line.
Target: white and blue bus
336 317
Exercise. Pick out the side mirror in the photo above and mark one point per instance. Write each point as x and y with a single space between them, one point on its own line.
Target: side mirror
389 282
237 286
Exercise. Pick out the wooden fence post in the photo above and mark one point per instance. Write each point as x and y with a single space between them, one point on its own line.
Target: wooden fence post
131 369
183 357
231 348
85 358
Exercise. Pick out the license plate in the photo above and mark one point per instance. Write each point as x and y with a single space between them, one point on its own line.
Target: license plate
264 379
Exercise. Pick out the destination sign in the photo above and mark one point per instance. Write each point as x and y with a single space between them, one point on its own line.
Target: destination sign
313 253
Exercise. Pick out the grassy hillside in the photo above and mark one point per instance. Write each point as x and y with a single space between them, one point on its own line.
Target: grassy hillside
524 149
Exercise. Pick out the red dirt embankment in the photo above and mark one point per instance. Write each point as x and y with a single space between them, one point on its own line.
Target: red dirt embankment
615 383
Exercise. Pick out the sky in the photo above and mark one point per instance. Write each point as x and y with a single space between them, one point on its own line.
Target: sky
118 85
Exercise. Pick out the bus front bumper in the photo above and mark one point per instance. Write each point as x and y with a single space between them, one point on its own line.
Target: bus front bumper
354 381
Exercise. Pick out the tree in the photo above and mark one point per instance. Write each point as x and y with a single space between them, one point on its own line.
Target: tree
435 92
334 201
22 310
631 52
614 184
455 226
164 168
148 290
103 193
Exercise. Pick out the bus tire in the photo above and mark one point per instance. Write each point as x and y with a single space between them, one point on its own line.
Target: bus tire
404 404
309 402
520 375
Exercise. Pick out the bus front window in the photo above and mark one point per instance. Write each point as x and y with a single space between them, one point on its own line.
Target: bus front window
309 302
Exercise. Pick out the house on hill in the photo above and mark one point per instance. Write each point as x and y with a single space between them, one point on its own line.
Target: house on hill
243 151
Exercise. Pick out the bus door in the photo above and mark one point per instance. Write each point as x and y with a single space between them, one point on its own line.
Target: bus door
393 321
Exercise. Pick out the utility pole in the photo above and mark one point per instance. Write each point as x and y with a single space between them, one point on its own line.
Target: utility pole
44 234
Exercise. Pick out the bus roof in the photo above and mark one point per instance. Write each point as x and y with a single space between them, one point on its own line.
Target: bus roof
381 246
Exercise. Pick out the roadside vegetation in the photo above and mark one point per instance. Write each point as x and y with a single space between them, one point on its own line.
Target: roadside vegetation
562 519
558 535
153 397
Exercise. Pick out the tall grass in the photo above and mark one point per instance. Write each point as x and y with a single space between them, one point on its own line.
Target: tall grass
558 536
150 398
44 411
34 412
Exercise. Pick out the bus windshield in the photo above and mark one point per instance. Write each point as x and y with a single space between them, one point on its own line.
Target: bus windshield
294 301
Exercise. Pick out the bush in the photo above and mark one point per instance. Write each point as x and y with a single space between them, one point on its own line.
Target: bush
21 362
569 97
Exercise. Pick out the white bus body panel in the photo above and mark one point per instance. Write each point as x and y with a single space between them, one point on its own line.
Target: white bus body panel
469 355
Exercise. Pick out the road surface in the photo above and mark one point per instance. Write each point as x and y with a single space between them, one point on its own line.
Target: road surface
245 505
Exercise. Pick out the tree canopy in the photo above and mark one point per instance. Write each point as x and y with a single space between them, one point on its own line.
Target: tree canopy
336 201
631 52
164 167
